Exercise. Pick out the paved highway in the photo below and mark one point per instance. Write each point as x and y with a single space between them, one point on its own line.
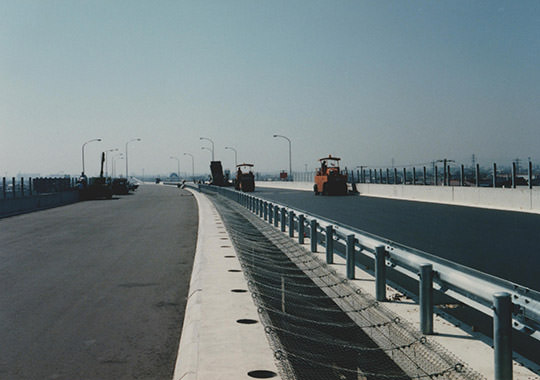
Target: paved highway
97 290
502 243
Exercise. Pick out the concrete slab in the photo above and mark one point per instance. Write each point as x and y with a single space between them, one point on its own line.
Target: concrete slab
213 344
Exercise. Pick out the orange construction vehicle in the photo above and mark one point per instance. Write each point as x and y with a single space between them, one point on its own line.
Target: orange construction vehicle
329 180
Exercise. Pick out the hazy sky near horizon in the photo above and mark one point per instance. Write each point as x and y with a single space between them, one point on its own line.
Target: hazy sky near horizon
365 80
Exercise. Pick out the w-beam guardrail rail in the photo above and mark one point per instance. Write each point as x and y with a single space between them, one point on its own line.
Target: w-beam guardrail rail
511 305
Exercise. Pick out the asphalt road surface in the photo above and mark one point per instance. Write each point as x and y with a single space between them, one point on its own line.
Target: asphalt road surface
502 243
97 289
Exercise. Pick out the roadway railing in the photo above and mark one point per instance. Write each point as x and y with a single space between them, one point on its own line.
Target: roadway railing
511 305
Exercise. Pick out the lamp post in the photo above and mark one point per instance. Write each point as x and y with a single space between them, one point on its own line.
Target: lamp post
89 141
290 162
120 156
206 138
192 165
137 139
107 160
178 162
235 155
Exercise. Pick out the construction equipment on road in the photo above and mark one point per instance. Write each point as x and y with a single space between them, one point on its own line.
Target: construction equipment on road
329 180
245 180
95 187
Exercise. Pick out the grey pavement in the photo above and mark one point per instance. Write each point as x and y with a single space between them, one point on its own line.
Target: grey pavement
97 290
502 243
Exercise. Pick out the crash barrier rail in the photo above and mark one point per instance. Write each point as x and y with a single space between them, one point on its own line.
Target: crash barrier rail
511 305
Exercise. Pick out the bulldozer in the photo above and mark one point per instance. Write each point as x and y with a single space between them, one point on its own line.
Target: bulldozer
95 187
328 179
245 180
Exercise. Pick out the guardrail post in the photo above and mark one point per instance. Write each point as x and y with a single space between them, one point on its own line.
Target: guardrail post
270 213
395 176
462 176
530 175
387 176
426 299
502 335
261 208
276 216
313 235
513 175
436 175
283 219
4 187
494 175
380 273
477 175
22 187
425 176
404 176
301 219
266 206
350 256
414 176
30 185
291 223
329 244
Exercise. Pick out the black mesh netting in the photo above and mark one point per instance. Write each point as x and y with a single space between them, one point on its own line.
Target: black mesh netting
318 324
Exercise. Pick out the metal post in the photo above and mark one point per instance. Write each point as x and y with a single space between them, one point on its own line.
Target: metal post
291 223
270 213
358 176
380 273
426 299
477 175
301 229
449 177
13 186
414 176
283 219
350 256
313 235
329 244
30 185
387 176
261 208
363 176
395 176
425 176
404 176
22 187
462 176
513 175
276 216
530 175
4 187
370 177
436 174
265 211
502 335
380 175
494 175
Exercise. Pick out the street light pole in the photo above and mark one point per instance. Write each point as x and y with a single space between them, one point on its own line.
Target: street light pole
89 141
235 156
137 139
192 165
107 160
120 157
178 162
290 162
206 138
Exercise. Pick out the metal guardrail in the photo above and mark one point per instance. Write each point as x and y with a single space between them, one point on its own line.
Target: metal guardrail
502 299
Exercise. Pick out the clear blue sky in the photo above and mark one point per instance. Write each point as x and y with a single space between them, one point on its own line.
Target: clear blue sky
366 80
